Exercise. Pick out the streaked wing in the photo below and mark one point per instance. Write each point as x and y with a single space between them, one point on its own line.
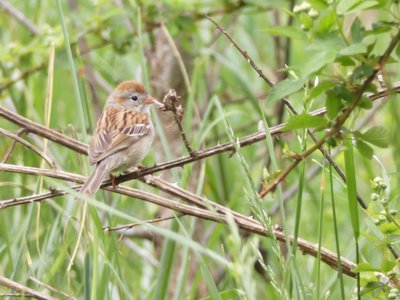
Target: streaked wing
117 129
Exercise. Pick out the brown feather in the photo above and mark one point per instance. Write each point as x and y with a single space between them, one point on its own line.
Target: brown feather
131 85
116 130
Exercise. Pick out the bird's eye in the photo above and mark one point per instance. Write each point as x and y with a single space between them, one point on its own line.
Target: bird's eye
134 98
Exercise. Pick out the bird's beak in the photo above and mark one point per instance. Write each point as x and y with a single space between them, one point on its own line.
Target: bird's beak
150 100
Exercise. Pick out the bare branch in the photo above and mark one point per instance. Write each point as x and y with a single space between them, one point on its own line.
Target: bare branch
218 213
26 291
170 102
201 154
20 17
50 288
125 227
23 75
29 146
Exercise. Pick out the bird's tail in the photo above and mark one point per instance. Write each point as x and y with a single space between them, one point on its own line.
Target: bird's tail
94 181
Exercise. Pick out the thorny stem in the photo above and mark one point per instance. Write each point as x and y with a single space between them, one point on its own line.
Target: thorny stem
199 207
291 108
170 102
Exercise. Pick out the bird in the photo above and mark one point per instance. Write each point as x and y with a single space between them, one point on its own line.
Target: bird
123 135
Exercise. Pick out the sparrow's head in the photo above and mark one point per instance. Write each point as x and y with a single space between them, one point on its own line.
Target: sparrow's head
131 94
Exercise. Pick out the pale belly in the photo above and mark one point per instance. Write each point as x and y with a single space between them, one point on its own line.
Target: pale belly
131 156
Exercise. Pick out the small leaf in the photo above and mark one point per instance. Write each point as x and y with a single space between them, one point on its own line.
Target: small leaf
365 267
353 49
333 106
362 5
377 136
388 265
285 88
318 4
362 72
317 60
340 92
364 149
365 103
305 121
326 21
357 31
372 286
389 228
287 31
320 88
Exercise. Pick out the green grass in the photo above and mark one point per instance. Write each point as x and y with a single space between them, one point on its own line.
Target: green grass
224 99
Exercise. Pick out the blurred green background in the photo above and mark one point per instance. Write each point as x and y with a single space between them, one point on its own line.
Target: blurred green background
313 45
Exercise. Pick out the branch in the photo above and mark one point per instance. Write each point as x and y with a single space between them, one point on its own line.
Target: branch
29 146
133 225
218 213
170 102
23 75
286 102
12 11
80 147
43 131
26 291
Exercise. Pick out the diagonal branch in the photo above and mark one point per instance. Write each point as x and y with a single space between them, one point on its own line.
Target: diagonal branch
29 146
80 147
204 209
26 291
286 102
12 11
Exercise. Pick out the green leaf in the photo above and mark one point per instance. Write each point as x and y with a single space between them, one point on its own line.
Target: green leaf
357 31
372 286
387 265
306 21
365 267
353 49
318 4
317 60
288 31
340 92
305 121
362 72
320 88
364 149
351 187
362 5
326 21
365 103
333 106
377 136
227 295
389 228
285 88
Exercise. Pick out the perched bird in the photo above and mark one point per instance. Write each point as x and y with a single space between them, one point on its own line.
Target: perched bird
123 134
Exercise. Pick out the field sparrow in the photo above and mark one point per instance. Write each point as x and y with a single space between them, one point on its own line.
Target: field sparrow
123 134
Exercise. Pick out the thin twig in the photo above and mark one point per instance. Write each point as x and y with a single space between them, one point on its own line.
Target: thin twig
245 223
133 225
29 146
15 13
339 123
11 148
43 131
80 147
50 288
170 102
23 75
23 289
357 96
286 102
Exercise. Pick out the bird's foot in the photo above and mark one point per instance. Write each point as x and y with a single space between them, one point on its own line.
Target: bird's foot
114 182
